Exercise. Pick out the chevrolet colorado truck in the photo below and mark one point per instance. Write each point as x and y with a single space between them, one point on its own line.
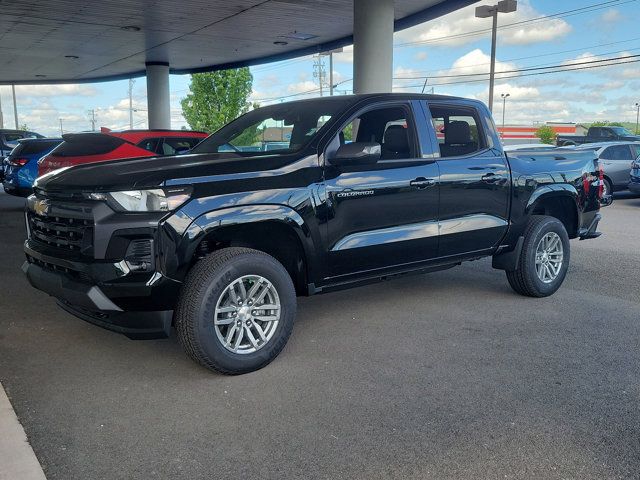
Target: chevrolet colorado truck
218 243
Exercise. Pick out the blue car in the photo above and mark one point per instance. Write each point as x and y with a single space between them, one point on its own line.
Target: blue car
21 166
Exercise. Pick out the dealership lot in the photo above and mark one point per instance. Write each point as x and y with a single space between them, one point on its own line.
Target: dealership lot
447 375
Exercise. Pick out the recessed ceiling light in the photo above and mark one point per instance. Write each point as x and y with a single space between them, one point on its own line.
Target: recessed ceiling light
299 36
131 28
73 57
280 42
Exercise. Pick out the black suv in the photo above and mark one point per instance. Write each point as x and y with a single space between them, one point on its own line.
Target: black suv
219 242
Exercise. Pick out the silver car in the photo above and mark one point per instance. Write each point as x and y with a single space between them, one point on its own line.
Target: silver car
616 158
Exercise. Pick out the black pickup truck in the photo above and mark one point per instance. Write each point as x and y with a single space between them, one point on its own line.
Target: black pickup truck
598 134
219 242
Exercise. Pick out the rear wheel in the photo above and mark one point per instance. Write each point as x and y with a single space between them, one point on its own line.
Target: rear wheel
544 259
236 310
607 188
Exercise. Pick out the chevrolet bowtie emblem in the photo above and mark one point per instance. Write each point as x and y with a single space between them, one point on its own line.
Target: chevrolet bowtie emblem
41 207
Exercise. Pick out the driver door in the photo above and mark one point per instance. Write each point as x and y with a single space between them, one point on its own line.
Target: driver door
381 215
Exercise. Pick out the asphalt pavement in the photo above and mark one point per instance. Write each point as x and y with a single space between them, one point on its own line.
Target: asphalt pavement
446 375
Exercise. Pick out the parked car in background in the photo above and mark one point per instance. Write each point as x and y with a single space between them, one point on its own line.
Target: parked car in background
219 243
80 148
9 140
598 134
616 158
634 180
21 166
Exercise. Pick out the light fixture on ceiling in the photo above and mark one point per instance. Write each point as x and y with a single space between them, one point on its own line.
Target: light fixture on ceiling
72 57
298 36
131 28
280 42
41 76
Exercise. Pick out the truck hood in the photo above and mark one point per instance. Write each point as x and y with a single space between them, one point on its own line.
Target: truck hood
156 171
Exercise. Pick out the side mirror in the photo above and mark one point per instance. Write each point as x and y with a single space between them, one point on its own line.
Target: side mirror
357 153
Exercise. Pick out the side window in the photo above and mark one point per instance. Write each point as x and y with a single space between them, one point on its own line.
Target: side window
636 150
621 152
458 130
391 127
150 144
172 145
607 154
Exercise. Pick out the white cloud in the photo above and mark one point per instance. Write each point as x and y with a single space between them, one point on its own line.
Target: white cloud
420 56
476 61
302 87
346 56
56 90
457 28
610 17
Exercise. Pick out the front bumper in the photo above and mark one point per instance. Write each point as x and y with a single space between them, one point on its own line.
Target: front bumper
634 184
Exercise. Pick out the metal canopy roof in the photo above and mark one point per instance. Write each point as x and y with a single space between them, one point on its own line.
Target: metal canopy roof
49 41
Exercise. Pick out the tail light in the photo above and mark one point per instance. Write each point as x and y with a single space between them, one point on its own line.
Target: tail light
18 162
601 178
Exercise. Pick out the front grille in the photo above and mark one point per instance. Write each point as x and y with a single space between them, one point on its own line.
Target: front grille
71 235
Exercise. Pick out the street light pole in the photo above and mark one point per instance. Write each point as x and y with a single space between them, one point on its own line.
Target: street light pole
504 106
15 106
637 116
486 11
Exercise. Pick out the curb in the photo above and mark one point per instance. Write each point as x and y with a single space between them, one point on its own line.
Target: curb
17 460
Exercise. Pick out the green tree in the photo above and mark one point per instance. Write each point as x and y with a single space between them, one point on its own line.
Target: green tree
546 134
606 123
216 98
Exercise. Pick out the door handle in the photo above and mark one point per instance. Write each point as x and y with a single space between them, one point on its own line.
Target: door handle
491 178
422 182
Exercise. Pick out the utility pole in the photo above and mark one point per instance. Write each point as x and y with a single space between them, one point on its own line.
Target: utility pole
15 106
1 117
504 105
131 82
60 127
319 71
486 11
92 119
331 73
637 116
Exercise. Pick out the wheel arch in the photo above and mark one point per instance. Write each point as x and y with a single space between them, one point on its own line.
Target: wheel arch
274 229
559 201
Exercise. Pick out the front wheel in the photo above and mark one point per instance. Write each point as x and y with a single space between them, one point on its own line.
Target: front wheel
544 259
236 310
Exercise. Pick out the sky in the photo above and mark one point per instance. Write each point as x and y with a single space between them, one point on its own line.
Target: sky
448 51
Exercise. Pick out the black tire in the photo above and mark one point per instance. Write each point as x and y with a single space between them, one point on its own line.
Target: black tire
205 284
608 187
524 280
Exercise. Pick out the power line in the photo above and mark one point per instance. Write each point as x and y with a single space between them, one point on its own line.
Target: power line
588 67
520 69
567 13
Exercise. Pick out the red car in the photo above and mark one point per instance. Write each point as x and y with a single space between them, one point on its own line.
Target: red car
79 148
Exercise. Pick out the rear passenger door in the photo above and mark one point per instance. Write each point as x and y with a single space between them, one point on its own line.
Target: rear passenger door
474 178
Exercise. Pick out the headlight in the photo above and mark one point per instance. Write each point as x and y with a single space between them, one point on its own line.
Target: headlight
155 200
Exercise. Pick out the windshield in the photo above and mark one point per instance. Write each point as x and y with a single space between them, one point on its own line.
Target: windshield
277 129
621 131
